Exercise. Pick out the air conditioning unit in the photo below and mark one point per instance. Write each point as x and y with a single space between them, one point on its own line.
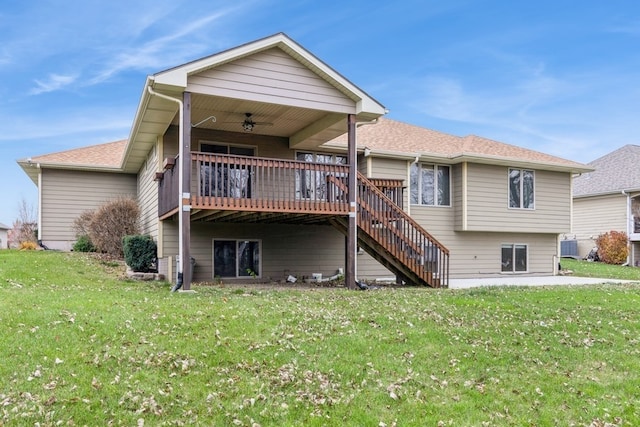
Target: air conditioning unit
569 249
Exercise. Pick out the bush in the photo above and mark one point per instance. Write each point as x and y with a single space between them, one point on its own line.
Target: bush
84 244
107 225
613 247
140 253
82 224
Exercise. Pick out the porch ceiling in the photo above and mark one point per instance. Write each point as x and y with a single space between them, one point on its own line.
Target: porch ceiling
271 119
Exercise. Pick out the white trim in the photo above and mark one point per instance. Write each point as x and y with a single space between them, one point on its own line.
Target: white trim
39 203
435 167
535 185
514 245
465 196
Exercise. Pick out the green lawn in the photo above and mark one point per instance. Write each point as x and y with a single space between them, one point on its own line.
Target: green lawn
82 346
599 269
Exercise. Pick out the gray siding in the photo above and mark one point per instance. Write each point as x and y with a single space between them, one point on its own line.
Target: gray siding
148 194
4 239
593 216
487 202
66 194
274 77
286 249
388 168
478 254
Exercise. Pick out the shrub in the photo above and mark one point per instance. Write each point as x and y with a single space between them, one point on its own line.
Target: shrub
82 224
140 253
613 247
84 244
107 225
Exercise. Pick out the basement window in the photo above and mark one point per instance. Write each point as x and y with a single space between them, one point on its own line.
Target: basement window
514 258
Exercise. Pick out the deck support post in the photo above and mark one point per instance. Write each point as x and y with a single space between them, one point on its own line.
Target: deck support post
352 233
185 196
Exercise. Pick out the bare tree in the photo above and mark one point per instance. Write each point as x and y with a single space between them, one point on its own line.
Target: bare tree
25 227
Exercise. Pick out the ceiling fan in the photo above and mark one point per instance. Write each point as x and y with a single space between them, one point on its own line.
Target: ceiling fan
248 123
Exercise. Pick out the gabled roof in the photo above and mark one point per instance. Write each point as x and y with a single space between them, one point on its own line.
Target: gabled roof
102 157
177 76
614 172
397 139
155 113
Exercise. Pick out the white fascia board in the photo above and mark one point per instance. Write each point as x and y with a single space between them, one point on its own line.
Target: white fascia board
178 76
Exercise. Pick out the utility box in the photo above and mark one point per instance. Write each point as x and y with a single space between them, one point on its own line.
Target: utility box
569 249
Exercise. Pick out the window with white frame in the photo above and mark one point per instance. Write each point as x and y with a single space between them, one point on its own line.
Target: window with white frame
236 258
430 185
514 258
313 184
521 189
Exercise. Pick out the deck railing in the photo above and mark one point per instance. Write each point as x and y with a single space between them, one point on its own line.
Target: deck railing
168 194
265 184
401 235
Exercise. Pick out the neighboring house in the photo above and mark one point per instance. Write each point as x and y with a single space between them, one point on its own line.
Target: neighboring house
262 162
4 236
608 199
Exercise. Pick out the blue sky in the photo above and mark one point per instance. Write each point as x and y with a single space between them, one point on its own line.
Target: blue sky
562 77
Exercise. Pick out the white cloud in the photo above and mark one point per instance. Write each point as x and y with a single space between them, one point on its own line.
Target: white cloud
163 51
54 82
91 121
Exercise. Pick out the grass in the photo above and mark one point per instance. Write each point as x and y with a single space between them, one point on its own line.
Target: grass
600 269
82 346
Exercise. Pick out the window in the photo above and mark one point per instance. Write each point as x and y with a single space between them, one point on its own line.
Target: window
521 194
236 258
220 180
313 184
514 258
430 185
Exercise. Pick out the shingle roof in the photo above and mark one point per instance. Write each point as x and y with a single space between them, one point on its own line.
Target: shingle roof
399 137
385 135
101 155
614 172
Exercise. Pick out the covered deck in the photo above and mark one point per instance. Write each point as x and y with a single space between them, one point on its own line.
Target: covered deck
224 185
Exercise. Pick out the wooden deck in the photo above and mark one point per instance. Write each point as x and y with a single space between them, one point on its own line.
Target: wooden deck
252 189
255 184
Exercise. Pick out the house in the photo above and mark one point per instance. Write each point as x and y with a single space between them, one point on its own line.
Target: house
262 162
4 236
607 199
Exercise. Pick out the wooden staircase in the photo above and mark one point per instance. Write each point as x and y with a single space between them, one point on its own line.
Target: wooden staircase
393 238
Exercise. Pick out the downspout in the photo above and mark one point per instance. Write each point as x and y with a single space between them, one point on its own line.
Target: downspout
354 202
39 202
628 221
180 262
